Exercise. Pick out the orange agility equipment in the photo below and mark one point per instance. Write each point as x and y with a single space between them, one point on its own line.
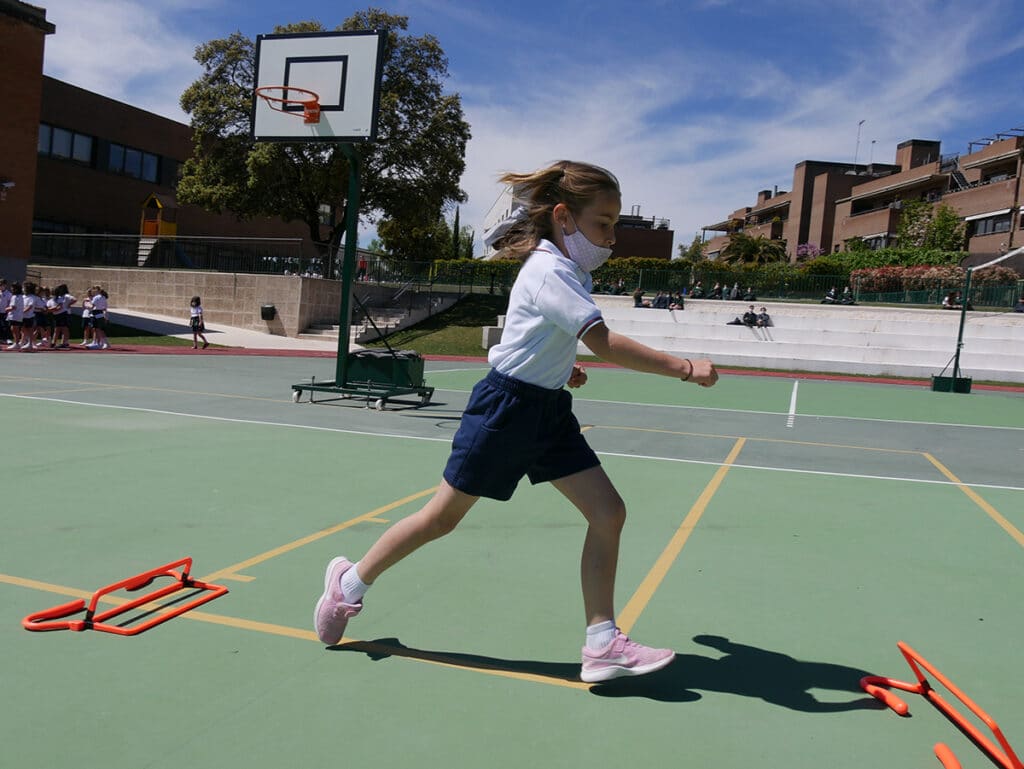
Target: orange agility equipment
1002 754
54 618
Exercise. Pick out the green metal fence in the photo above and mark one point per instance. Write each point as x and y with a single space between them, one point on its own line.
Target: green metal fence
285 256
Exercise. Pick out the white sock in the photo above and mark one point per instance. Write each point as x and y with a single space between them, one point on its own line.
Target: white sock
352 587
600 635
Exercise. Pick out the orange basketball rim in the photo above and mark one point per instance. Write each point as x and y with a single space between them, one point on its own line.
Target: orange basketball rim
279 97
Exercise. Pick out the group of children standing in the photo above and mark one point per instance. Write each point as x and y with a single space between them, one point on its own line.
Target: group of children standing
35 317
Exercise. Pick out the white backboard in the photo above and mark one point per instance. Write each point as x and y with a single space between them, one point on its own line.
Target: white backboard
343 68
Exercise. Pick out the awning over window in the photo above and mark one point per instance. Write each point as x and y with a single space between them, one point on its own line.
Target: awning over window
986 216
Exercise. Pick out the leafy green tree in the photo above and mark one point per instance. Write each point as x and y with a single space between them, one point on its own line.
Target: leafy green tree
857 245
915 217
455 235
694 252
466 242
946 231
744 249
937 228
408 177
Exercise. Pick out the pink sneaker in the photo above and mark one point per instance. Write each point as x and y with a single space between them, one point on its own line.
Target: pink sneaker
332 613
622 657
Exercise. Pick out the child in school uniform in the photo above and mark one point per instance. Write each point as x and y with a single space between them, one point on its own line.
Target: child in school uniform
195 309
519 419
99 319
15 309
28 316
63 301
5 301
87 335
45 307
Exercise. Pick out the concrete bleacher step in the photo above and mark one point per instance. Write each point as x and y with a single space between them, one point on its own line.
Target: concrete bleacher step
828 338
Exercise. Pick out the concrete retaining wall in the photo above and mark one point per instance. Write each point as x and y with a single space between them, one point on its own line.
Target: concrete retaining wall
232 299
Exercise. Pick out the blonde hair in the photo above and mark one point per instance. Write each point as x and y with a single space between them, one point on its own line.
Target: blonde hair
569 182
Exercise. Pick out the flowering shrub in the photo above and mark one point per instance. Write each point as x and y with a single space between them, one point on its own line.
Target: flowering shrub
932 276
807 251
878 279
997 275
921 277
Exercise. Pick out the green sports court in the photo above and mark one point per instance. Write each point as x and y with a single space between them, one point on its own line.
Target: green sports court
783 535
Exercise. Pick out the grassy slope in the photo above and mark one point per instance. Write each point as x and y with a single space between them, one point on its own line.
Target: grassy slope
456 331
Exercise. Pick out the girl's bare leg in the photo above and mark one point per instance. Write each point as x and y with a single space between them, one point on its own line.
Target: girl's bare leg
438 517
592 492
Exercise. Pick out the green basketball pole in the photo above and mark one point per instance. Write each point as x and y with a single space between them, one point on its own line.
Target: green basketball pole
957 383
963 320
348 264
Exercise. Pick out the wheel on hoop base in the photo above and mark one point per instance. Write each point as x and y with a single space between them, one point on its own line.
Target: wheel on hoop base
296 396
379 404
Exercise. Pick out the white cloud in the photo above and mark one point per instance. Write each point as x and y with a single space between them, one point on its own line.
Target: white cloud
698 167
124 49
692 131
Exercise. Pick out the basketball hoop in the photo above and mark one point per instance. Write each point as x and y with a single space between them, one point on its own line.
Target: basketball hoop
309 101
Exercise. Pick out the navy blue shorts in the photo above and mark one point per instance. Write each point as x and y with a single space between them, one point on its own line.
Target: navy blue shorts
510 429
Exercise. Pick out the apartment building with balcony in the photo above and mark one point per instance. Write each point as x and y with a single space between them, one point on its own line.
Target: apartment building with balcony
833 204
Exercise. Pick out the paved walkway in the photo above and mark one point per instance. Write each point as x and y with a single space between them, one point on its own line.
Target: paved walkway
228 336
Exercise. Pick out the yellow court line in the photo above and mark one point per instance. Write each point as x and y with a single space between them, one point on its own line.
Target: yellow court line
226 572
992 513
432 658
93 388
757 440
631 612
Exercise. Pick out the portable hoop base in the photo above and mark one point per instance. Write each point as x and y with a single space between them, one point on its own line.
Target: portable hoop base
54 618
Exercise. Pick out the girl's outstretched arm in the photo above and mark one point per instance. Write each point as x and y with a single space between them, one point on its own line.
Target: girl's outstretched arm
628 353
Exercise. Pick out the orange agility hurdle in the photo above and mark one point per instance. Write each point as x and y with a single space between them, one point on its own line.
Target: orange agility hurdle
54 618
1002 754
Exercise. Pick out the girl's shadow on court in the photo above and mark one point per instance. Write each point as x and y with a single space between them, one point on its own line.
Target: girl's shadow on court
744 670
749 671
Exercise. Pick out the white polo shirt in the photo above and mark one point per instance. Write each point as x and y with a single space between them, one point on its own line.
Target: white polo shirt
549 310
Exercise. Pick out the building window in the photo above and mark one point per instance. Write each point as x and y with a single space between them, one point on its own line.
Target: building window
991 225
150 167
81 148
60 147
134 163
67 145
116 161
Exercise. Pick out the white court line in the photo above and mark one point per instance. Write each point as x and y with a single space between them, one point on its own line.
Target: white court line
792 404
227 419
781 413
803 471
448 440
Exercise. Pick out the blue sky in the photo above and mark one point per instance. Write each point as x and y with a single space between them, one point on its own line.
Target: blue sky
695 104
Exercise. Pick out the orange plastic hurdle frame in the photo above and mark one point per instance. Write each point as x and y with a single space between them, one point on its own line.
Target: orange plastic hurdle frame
53 618
1002 754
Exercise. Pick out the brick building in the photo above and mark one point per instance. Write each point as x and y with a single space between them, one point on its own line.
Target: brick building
73 161
834 203
23 31
108 167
